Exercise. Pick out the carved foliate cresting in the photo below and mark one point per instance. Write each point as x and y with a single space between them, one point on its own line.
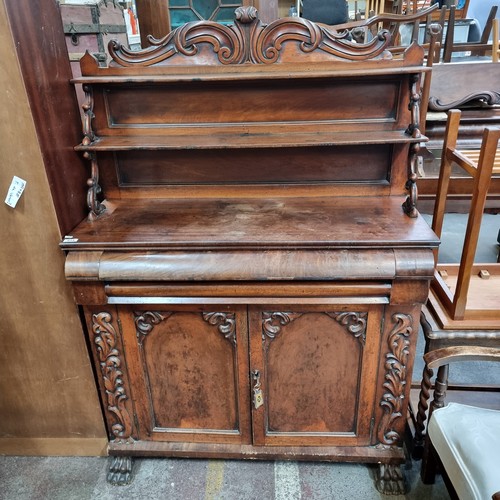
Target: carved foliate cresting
249 41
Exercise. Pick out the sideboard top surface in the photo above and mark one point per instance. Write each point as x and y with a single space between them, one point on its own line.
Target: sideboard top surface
321 222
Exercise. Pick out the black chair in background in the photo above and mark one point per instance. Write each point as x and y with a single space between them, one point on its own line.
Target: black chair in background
331 12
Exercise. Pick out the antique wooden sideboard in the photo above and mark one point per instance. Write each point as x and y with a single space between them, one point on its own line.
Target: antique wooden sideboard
252 281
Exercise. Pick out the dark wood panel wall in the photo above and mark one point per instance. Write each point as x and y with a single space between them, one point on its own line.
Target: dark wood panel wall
49 403
43 57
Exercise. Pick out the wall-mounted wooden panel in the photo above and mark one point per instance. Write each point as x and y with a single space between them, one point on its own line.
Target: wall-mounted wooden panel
49 403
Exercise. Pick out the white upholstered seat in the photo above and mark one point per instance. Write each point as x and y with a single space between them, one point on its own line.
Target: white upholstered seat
467 440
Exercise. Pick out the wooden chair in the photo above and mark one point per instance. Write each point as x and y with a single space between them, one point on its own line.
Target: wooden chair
463 441
450 296
463 302
476 48
374 7
362 29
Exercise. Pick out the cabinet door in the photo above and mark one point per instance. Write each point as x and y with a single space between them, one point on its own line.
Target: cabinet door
315 372
188 370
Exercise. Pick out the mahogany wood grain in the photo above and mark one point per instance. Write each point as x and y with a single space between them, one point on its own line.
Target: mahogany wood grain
312 364
250 289
250 102
260 165
239 266
189 374
250 137
263 224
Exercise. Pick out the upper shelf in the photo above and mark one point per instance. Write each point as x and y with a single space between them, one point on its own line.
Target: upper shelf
251 140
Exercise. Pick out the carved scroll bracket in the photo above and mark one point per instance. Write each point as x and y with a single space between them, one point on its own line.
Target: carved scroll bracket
95 207
225 323
410 204
105 339
145 321
88 115
395 378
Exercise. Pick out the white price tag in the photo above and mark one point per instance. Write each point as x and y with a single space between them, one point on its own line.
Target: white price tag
15 191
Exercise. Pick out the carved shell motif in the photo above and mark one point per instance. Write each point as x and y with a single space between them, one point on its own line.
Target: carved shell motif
248 41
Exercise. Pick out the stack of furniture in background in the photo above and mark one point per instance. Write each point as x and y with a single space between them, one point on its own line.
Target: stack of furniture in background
463 307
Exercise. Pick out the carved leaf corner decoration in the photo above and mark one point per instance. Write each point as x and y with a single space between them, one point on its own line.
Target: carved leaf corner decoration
354 322
249 41
396 373
224 322
273 321
110 362
145 322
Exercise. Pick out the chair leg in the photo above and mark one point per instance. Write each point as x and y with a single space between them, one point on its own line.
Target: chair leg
423 398
430 460
429 465
440 387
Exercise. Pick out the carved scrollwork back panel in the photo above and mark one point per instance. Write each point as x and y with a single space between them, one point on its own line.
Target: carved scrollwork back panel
249 41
